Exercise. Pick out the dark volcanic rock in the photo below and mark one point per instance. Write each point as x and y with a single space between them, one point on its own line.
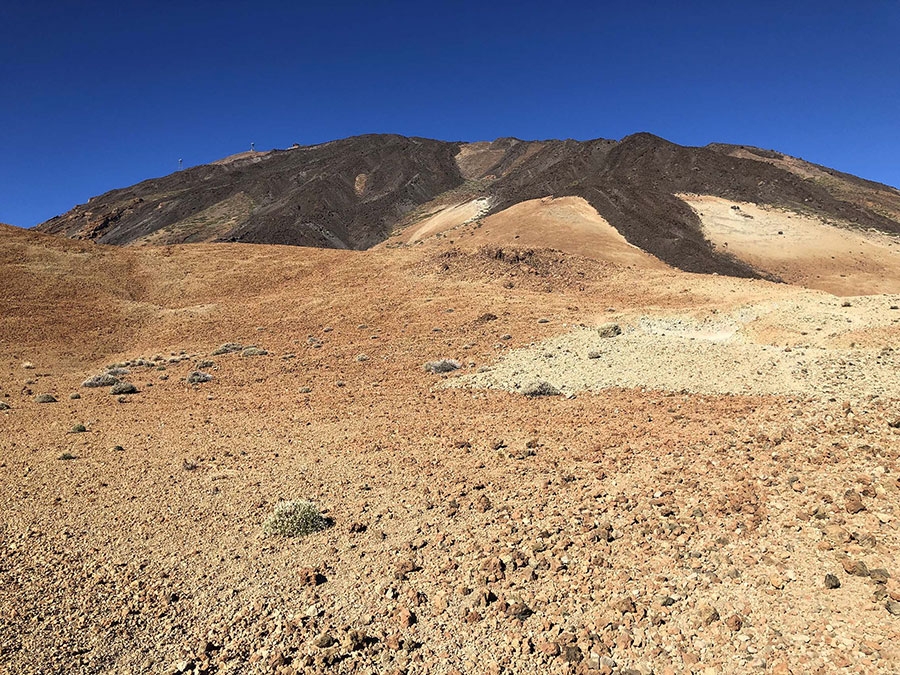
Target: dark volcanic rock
351 193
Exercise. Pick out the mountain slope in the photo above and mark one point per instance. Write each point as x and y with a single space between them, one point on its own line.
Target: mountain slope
355 192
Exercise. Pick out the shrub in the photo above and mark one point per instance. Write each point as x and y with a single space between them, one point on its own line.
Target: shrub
295 519
254 351
101 380
228 348
609 330
540 388
123 388
442 366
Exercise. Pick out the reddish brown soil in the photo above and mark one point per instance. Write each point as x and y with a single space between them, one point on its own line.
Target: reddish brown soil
473 531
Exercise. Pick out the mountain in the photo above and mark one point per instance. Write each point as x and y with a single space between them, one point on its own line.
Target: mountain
357 192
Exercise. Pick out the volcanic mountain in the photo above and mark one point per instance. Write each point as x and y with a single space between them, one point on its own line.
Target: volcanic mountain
728 209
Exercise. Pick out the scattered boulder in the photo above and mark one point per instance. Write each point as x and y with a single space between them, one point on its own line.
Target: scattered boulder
123 388
254 351
198 377
45 398
831 581
4 405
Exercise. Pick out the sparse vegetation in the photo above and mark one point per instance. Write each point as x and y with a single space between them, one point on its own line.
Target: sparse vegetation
102 380
609 330
123 388
540 388
254 351
295 519
442 366
228 348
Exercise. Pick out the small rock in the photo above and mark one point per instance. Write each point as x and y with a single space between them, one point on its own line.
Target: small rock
548 648
831 581
519 610
483 504
310 576
708 615
123 388
879 575
855 567
626 606
45 398
405 617
609 330
324 641
4 405
78 429
776 581
734 623
572 654
853 502
893 607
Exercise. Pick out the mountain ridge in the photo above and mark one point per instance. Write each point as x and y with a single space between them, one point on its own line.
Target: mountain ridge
353 193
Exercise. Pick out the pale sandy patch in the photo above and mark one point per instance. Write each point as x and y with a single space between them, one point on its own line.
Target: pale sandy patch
801 249
448 218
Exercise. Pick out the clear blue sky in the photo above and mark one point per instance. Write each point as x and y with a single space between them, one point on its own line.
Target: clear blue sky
98 95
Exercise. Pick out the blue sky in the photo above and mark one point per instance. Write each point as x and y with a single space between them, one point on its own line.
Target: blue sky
99 95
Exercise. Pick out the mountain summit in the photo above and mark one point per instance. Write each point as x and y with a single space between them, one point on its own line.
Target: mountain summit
357 192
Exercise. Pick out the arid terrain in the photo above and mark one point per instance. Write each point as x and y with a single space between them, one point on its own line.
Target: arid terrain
634 469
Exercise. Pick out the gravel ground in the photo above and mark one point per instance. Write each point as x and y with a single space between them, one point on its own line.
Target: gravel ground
470 530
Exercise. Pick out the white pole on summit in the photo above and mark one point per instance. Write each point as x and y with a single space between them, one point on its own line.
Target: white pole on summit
180 164
252 147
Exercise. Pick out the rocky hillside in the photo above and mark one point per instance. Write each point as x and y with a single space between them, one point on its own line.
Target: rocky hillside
354 193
